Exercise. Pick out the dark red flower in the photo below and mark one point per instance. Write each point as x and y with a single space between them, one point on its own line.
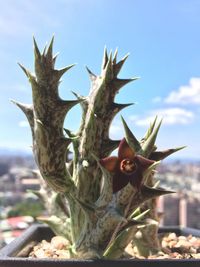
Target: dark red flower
127 167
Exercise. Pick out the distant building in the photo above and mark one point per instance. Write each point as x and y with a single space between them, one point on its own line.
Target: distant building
14 185
180 210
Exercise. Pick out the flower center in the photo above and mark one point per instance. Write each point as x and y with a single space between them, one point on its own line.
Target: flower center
127 166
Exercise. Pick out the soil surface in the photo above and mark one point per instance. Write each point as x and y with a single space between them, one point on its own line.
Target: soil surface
173 247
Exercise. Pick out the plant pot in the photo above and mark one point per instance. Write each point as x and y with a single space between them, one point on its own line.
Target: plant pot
37 232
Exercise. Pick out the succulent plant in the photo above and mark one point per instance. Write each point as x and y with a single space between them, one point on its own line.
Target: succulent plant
99 202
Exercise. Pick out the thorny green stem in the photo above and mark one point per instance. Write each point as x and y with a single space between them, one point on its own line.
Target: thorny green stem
87 187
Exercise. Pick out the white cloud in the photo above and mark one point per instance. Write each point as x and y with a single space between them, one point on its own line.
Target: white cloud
116 130
23 124
170 116
187 94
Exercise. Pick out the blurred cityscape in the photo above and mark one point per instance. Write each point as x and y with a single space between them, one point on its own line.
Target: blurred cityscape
19 207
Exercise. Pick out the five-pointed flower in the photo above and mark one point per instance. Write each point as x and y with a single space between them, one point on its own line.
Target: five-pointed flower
127 167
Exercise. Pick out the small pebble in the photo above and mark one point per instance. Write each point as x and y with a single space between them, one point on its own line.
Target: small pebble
196 256
59 242
172 236
56 248
183 243
63 254
182 237
40 253
172 243
193 250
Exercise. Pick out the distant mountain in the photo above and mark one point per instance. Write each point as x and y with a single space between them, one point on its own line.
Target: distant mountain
181 160
5 151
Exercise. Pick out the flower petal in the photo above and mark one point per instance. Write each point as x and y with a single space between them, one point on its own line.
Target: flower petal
110 163
125 152
120 180
143 163
136 179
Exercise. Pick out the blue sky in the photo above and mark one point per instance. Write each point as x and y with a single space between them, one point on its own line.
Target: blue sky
163 38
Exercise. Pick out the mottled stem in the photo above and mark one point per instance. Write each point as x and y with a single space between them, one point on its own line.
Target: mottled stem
94 211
